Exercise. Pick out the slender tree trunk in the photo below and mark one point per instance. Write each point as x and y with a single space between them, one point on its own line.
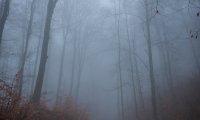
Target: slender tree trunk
168 63
58 98
138 75
43 59
81 54
138 79
79 59
42 24
73 62
151 68
4 17
1 8
79 78
117 24
164 51
23 58
132 69
74 52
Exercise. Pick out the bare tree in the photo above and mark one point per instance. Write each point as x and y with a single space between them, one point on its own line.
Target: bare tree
117 9
39 83
37 52
24 54
74 55
132 67
65 35
150 56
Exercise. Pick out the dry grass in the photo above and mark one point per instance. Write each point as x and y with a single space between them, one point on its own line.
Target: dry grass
13 107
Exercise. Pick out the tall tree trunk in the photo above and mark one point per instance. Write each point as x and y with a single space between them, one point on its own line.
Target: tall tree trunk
150 56
23 58
73 62
81 58
4 17
43 59
132 69
74 52
167 71
165 54
137 74
117 24
37 54
58 98
1 8
168 62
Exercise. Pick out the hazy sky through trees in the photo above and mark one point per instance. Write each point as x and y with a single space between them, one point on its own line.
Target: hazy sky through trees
116 59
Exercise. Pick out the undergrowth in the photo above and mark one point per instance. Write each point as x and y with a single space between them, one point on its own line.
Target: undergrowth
14 107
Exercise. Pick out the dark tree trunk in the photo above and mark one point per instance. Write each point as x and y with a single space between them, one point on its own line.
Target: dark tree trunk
4 17
40 78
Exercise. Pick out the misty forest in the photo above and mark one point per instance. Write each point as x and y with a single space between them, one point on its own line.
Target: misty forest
99 59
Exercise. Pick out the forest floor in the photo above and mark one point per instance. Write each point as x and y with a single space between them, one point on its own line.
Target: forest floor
14 107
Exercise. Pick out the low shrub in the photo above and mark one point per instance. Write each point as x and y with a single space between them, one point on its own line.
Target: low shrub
14 107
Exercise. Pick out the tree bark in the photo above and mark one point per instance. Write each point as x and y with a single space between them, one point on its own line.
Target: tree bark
40 78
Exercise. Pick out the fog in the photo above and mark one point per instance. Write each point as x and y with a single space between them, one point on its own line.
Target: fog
100 59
